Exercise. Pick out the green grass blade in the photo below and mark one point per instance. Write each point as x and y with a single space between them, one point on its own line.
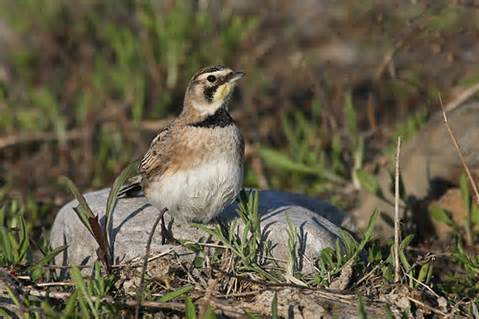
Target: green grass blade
351 118
402 256
369 230
49 256
280 160
251 315
369 183
6 245
70 305
48 311
389 313
37 269
175 294
78 196
209 314
24 240
77 278
423 273
13 297
215 232
83 211
190 312
115 189
440 215
362 313
274 306
349 242
4 313
466 194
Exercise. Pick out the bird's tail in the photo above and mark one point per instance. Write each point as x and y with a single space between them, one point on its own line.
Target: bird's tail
133 189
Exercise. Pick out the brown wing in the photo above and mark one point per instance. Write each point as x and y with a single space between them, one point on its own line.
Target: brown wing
132 187
157 155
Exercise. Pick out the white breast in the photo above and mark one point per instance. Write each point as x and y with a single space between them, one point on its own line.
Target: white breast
201 193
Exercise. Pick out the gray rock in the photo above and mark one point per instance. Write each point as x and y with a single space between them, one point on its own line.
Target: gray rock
429 165
317 222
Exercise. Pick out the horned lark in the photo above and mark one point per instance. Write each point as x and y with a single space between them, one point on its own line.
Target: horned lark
194 166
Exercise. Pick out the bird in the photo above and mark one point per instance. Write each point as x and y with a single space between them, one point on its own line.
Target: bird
194 166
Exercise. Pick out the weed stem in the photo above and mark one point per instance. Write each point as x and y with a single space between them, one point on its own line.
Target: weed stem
397 267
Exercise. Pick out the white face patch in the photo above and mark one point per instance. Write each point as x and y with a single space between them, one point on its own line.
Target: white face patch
204 106
219 96
207 108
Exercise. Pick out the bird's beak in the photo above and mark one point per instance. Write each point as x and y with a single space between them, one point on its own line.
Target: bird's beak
235 76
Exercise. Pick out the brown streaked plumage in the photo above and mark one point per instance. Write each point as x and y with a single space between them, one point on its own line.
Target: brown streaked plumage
194 166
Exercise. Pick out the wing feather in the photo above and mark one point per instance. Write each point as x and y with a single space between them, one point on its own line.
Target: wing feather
156 154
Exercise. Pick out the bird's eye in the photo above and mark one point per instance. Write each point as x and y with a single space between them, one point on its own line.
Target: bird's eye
211 78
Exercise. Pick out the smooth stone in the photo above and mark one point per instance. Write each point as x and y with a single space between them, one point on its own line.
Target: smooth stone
318 224
429 165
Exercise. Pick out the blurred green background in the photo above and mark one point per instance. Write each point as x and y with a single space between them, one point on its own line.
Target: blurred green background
85 85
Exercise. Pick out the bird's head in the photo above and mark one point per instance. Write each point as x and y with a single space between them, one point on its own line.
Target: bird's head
211 88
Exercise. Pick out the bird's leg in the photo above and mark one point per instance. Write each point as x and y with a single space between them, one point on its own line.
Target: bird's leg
166 233
222 223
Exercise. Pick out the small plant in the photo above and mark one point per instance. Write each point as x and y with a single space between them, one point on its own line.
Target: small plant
90 294
15 248
462 280
332 261
356 138
251 249
90 220
292 265
14 244
468 262
415 274
90 299
472 209
314 153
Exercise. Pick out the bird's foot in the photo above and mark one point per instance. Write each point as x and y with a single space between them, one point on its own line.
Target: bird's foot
166 233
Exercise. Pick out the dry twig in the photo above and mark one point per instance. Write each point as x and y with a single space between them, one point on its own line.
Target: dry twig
397 267
220 307
9 140
422 284
210 291
135 261
466 169
54 284
129 303
226 309
74 134
461 98
145 263
422 304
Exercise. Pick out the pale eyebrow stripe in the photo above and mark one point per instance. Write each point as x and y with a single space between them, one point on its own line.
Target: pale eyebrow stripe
217 73
210 69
